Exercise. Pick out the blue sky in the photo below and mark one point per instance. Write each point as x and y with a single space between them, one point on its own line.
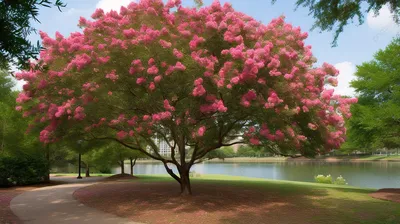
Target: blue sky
356 45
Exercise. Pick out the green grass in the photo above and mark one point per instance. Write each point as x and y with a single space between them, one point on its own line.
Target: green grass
82 174
328 203
380 157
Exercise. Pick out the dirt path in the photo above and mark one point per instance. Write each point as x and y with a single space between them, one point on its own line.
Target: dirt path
389 194
55 204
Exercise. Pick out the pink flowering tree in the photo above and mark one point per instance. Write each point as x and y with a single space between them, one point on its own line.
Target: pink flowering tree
198 78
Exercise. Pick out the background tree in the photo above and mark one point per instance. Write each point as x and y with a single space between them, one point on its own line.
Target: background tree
378 111
221 153
199 79
18 147
336 14
15 26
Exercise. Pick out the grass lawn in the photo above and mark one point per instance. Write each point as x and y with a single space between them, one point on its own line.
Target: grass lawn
229 199
380 157
82 174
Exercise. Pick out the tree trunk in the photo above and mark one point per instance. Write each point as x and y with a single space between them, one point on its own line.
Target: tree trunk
47 177
133 162
121 163
186 188
131 166
87 174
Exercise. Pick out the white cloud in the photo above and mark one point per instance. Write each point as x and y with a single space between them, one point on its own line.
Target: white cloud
347 70
108 5
383 22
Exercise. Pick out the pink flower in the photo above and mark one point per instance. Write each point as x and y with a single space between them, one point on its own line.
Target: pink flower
110 93
167 106
152 86
140 80
198 81
178 54
179 66
235 80
79 113
255 141
151 61
165 44
153 70
121 135
112 76
312 126
157 79
199 90
201 131
333 81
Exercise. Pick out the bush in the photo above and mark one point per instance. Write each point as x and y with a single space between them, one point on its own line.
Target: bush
328 180
323 179
340 181
194 174
22 170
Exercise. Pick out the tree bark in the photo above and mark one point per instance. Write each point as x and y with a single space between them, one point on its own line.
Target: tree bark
47 176
87 174
133 162
121 163
186 188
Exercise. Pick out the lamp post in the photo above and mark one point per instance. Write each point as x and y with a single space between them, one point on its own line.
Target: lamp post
79 158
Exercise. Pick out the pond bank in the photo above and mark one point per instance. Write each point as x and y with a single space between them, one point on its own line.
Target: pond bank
376 158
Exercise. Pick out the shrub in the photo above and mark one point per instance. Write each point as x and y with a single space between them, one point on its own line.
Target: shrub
328 180
22 170
340 181
194 174
323 179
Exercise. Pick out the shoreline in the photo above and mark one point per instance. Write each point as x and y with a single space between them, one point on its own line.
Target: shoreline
285 159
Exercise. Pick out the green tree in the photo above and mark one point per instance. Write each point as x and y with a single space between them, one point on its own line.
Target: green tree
15 26
336 14
376 124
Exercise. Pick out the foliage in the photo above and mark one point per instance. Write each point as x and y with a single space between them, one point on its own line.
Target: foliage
222 153
5 85
323 179
196 78
15 27
328 180
336 14
22 170
340 181
378 110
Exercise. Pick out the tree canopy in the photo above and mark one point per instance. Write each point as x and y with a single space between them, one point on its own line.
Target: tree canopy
15 26
336 14
198 78
378 111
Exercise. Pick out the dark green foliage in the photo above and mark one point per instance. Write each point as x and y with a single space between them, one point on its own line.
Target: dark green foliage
22 170
221 153
376 117
252 151
336 14
5 86
22 157
15 26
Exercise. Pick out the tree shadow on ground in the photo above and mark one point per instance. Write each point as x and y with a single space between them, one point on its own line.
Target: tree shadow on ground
231 202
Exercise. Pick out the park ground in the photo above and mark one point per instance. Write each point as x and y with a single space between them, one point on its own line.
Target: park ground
227 199
6 195
222 199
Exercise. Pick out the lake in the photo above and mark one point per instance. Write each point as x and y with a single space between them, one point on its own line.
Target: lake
360 174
